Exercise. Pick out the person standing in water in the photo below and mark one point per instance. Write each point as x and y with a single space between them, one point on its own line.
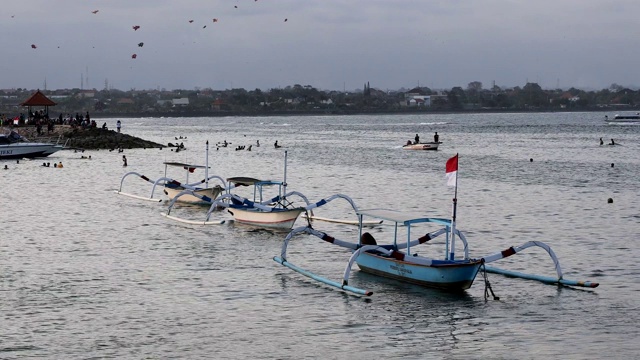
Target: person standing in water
601 142
124 160
436 138
118 125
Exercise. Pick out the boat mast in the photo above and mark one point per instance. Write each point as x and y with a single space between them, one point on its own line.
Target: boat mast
284 181
206 169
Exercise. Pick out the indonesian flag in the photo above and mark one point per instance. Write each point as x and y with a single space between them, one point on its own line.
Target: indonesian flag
452 171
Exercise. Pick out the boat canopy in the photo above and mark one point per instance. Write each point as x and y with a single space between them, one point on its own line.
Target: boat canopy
249 181
404 218
185 165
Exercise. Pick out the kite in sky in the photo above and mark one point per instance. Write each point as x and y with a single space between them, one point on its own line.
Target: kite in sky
136 27
95 11
190 21
33 46
134 56
140 44
215 20
285 20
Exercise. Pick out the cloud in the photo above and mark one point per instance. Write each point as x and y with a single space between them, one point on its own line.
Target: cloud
324 43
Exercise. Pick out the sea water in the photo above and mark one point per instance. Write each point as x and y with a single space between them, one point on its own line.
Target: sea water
86 273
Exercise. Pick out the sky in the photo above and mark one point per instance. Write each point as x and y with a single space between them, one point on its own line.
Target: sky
328 44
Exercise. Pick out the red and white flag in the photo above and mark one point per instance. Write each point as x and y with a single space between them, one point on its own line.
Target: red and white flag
452 171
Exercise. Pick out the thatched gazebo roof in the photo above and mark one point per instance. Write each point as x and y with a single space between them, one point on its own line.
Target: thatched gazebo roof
38 99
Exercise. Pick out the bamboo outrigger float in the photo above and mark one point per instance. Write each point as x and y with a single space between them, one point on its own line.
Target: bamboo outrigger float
172 187
398 260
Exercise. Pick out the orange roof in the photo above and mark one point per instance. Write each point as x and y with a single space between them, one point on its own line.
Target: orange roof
38 99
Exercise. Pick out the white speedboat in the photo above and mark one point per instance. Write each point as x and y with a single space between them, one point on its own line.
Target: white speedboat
624 118
421 146
14 146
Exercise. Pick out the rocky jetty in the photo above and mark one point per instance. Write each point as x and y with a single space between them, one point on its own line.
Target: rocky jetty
91 138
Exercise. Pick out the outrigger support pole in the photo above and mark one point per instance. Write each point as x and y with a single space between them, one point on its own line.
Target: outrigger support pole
282 259
545 279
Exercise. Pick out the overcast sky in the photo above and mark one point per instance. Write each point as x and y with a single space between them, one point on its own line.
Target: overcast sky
328 44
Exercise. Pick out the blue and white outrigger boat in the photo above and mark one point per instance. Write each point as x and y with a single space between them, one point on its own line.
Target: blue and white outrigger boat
172 187
400 261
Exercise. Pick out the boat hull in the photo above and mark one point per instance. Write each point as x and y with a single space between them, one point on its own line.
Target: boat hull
422 146
212 192
27 150
453 277
279 219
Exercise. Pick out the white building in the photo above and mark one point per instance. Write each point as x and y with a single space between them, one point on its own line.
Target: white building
180 102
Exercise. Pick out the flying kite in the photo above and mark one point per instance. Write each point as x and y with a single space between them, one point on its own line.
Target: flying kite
95 11
204 27
136 27
190 21
235 6
140 44
33 46
215 20
285 20
134 56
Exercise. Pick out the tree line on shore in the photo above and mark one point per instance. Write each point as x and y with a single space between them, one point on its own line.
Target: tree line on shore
308 99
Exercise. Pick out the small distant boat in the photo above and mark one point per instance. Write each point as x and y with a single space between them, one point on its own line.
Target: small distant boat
422 146
624 118
14 146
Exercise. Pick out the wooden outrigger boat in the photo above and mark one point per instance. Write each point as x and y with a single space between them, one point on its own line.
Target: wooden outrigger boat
400 261
275 213
172 187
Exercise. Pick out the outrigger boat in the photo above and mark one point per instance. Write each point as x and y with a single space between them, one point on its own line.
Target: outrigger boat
275 213
400 261
172 187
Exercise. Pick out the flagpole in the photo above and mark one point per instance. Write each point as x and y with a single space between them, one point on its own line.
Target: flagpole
452 253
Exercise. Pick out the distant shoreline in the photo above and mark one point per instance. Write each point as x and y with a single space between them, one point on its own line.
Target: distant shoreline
98 115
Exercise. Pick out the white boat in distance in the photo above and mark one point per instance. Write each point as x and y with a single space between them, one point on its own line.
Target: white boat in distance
624 118
14 146
422 146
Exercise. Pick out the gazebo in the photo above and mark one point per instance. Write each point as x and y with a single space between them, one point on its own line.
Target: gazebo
38 99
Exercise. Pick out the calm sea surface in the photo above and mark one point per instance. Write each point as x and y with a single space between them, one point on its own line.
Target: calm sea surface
86 273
